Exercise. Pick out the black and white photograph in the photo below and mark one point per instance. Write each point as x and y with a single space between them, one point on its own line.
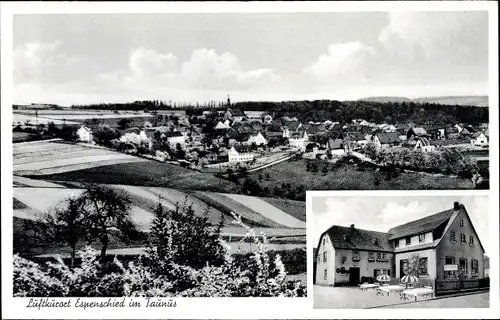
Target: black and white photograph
401 252
167 152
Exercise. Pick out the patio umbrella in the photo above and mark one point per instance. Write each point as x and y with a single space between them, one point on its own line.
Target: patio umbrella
409 278
384 278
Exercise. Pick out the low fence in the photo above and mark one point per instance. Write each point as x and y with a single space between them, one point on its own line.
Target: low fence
455 285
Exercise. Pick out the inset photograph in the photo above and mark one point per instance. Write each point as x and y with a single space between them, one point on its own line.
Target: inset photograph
400 251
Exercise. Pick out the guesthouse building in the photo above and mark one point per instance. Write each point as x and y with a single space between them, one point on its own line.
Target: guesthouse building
445 244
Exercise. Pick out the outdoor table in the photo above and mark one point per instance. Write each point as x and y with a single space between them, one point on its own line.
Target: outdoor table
390 288
366 286
418 292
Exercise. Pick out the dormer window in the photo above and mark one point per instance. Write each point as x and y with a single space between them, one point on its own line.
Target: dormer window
408 241
421 237
396 244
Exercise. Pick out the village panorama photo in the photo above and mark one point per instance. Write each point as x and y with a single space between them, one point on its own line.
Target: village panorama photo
169 155
400 252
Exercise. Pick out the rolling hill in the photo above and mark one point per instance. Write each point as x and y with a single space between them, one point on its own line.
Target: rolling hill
478 101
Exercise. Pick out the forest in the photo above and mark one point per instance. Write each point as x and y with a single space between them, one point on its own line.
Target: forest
321 110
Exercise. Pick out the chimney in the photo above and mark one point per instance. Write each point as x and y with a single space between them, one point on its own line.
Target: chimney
352 226
456 206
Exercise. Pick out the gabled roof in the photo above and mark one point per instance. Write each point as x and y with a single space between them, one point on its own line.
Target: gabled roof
292 125
476 135
356 136
419 131
425 224
388 137
353 238
298 134
173 134
236 112
241 148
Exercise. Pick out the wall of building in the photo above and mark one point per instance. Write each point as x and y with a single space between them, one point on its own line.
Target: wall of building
430 254
366 267
450 248
329 265
415 240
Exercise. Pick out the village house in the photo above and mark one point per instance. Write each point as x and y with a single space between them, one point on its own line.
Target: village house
240 154
174 138
446 244
221 126
416 132
452 132
258 139
85 134
298 139
335 147
290 127
386 139
479 139
420 143
348 256
236 115
355 140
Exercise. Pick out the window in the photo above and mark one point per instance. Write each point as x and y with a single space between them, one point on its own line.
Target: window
371 256
450 274
462 238
474 266
452 236
396 244
381 256
462 264
423 266
324 256
402 265
408 241
471 241
324 241
355 256
461 223
449 260
421 237
326 274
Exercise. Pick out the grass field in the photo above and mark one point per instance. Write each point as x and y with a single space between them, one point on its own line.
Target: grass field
48 157
348 177
271 212
294 208
148 173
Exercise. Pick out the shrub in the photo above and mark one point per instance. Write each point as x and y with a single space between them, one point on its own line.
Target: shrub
157 275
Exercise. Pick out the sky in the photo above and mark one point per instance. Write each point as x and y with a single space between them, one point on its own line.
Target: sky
382 213
90 58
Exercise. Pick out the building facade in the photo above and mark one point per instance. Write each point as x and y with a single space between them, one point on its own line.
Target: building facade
445 244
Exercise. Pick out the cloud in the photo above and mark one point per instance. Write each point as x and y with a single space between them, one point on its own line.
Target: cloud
45 63
148 63
433 35
341 60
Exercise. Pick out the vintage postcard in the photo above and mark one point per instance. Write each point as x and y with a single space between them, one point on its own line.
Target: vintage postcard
158 159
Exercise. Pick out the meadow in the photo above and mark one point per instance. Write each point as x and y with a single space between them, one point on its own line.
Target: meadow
294 174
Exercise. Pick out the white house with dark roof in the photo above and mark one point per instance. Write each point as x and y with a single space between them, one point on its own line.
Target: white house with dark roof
240 154
479 139
298 139
445 242
85 134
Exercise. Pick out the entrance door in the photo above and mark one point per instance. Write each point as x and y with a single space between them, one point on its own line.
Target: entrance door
354 276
